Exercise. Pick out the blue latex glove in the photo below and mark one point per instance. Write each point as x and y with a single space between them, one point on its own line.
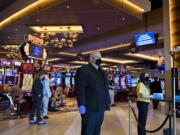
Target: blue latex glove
82 109
157 96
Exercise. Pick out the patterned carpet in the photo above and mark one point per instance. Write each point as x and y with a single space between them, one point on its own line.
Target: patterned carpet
70 105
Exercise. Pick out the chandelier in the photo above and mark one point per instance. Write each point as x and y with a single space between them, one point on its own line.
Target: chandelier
59 40
58 36
12 51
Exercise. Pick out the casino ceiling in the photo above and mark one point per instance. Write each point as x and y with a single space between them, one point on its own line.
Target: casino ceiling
107 25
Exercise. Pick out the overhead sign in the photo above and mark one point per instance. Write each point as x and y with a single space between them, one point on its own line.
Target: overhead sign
36 51
30 50
145 39
35 40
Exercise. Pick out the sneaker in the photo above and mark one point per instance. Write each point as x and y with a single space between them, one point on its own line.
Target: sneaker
32 122
46 117
42 122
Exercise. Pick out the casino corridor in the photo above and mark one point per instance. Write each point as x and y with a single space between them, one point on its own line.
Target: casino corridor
115 123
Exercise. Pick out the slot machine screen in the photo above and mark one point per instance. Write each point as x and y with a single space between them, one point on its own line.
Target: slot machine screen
1 71
8 72
59 76
27 82
52 79
9 80
36 51
123 83
1 80
73 81
67 81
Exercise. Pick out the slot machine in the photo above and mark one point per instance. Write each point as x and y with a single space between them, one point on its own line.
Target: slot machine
26 78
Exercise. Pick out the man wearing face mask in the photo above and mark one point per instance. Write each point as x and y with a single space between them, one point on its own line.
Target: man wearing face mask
93 98
37 95
46 94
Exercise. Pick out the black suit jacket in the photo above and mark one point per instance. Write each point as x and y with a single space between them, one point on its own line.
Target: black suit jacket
37 89
92 89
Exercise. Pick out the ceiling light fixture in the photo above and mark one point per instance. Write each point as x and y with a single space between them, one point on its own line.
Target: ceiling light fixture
31 8
53 59
67 54
112 60
58 36
108 48
143 56
135 68
131 6
13 51
79 62
58 29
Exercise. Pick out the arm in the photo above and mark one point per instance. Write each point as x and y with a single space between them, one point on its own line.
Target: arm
145 96
80 85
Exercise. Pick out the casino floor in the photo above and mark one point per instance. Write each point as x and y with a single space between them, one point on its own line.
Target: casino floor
68 123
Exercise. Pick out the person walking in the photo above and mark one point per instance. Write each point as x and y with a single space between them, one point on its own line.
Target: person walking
93 98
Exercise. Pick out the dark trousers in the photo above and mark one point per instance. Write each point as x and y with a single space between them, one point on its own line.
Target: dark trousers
19 109
155 104
91 123
36 108
142 116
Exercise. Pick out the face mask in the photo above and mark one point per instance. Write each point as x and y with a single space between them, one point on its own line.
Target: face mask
98 62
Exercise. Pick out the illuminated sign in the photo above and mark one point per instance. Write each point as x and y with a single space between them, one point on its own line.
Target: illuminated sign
36 51
17 63
145 39
35 40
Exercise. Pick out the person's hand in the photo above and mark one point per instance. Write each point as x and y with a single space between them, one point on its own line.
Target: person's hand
82 109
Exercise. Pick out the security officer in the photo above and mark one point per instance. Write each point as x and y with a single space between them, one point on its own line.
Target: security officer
93 99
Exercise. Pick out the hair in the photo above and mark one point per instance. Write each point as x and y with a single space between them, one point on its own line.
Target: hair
92 56
155 78
142 77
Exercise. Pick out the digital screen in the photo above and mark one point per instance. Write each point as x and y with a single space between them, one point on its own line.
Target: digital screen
59 78
17 63
8 72
67 81
68 74
1 80
27 67
1 71
145 39
9 80
7 63
36 51
27 82
73 81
